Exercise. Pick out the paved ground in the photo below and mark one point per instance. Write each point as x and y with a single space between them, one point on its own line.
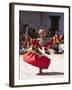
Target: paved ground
56 68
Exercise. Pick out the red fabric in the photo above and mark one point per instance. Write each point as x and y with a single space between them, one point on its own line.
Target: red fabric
37 60
47 45
26 40
36 42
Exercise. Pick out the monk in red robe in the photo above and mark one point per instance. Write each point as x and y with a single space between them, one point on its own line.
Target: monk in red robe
56 40
34 56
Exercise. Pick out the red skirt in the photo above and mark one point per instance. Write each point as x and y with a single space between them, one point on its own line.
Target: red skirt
37 60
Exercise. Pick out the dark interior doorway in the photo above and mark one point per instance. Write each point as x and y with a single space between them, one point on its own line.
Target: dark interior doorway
54 24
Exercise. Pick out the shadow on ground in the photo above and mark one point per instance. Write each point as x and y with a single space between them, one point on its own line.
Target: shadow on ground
51 73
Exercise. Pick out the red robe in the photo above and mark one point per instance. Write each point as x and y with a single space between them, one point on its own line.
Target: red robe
35 58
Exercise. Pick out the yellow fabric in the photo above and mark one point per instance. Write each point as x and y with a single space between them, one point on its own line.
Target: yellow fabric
30 49
55 40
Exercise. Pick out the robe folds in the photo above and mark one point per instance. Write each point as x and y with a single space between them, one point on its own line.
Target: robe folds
36 59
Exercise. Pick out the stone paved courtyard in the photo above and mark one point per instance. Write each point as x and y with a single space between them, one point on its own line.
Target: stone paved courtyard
56 68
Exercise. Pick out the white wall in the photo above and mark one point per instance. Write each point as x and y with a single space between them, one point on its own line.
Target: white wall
30 18
4 44
33 19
